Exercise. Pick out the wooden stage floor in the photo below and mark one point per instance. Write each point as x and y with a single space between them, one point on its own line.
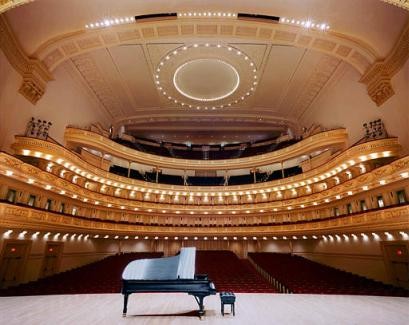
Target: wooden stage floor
179 309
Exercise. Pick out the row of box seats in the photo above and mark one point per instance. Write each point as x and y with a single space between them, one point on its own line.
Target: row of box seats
301 275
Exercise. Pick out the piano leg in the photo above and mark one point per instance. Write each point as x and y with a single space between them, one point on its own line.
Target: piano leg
126 295
199 300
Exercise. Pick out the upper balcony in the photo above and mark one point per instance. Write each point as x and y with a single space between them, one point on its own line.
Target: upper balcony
333 140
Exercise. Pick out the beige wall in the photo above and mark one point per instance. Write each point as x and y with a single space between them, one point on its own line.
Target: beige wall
64 102
345 103
75 252
359 256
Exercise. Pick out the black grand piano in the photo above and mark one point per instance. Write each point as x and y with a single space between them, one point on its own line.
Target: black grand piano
167 274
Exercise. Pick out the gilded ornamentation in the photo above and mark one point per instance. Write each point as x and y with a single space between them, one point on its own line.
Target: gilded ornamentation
74 137
10 4
34 72
378 77
356 184
400 3
392 218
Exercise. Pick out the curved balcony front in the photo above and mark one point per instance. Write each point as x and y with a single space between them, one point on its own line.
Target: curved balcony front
333 139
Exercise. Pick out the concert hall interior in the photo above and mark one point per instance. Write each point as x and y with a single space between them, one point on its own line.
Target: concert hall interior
270 135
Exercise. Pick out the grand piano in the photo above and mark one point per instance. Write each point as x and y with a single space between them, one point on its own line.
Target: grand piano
167 274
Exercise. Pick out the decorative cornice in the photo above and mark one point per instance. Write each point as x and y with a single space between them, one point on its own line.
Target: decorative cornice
378 77
399 3
35 74
10 4
61 48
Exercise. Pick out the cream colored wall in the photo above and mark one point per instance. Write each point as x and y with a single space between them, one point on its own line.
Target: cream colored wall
76 252
345 103
363 257
65 102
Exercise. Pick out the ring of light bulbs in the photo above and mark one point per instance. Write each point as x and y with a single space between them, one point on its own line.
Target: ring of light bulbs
304 23
206 14
308 23
110 22
198 104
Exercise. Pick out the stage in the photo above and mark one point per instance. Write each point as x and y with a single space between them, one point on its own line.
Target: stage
172 308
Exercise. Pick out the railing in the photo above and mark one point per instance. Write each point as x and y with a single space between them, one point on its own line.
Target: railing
330 139
276 284
389 218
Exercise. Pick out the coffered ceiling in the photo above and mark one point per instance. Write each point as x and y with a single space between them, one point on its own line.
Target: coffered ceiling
123 79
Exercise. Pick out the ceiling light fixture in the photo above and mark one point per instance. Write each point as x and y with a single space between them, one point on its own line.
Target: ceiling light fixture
110 22
206 14
168 62
306 23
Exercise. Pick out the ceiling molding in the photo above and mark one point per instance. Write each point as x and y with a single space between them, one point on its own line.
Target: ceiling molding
317 81
102 89
399 3
11 4
160 115
356 52
378 77
35 74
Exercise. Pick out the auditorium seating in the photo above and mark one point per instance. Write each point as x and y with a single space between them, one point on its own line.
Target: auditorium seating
170 179
205 181
103 276
224 268
292 171
241 179
122 171
118 170
229 273
300 275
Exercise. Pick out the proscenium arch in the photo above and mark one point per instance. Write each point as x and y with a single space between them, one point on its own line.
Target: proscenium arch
61 48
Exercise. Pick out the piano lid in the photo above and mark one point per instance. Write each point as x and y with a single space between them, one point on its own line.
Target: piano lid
181 266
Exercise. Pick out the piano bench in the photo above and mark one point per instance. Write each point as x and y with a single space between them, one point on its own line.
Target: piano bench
227 298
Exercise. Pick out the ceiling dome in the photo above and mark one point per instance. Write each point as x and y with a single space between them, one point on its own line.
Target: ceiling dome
206 80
